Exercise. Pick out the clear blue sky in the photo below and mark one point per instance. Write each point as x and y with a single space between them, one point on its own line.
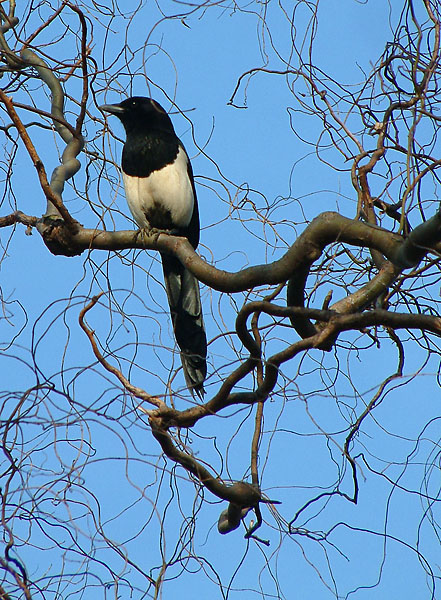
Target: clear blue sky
249 163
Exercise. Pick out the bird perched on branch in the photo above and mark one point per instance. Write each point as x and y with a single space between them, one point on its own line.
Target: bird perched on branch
160 192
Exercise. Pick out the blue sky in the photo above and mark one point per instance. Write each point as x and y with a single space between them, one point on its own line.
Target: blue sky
252 165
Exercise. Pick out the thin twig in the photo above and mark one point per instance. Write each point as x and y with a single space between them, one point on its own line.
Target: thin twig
132 389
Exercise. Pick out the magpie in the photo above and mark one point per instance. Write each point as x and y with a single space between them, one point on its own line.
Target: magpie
161 195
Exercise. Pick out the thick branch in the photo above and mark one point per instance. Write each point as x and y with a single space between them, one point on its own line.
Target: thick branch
294 265
405 254
240 493
325 229
74 143
18 217
420 241
335 324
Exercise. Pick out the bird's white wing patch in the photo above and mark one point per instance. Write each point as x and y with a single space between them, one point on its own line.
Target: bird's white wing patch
166 191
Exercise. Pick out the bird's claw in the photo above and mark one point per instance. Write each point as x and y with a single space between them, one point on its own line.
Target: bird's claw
156 232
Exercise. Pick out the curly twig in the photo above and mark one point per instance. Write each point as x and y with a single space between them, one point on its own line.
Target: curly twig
132 389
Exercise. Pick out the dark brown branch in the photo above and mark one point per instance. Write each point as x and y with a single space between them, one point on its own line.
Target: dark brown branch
230 518
241 496
355 428
258 422
420 241
18 217
325 229
84 54
20 579
240 493
336 324
3 594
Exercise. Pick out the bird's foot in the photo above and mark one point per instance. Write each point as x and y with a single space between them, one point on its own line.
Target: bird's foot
155 232
149 232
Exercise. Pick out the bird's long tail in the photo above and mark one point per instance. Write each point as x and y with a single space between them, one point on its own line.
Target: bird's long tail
188 323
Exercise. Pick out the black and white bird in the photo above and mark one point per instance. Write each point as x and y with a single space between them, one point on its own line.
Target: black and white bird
160 192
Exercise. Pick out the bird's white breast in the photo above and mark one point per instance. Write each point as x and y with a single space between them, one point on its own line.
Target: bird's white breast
166 190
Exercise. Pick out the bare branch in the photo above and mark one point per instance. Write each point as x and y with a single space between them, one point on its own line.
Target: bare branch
132 389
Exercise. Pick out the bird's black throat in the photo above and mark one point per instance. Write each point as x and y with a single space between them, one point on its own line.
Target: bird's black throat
144 153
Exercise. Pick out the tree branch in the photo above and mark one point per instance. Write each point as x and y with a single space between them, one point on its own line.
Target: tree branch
51 196
132 389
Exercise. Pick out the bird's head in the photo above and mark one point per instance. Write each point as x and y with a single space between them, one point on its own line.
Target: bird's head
140 113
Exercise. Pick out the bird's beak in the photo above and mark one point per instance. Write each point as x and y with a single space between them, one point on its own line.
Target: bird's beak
114 109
